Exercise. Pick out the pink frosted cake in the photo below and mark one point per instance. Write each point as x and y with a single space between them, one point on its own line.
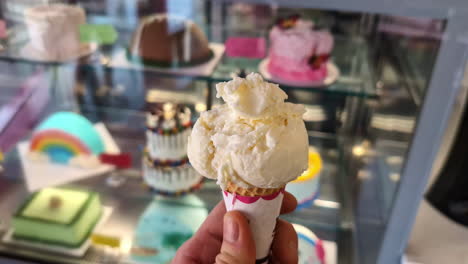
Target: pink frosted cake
297 51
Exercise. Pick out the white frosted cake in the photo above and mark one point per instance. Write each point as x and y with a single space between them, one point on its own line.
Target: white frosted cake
165 162
54 30
172 180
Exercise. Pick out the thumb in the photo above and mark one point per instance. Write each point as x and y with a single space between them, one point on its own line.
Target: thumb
238 245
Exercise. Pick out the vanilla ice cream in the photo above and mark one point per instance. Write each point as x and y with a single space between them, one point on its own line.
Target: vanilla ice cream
254 140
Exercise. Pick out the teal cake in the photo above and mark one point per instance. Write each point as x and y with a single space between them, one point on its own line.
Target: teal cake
62 217
65 135
164 226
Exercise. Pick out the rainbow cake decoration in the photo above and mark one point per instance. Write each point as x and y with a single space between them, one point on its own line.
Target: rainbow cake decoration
306 187
70 139
65 135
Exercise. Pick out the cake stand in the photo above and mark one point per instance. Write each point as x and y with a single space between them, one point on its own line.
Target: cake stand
30 53
313 250
332 75
205 69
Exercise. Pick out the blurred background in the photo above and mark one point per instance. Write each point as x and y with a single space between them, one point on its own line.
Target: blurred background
386 123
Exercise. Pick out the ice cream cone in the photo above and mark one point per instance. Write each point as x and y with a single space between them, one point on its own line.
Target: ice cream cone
261 207
256 140
251 192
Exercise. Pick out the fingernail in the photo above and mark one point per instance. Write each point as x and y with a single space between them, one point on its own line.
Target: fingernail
230 229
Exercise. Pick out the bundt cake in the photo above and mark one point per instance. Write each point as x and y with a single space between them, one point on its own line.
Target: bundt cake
166 41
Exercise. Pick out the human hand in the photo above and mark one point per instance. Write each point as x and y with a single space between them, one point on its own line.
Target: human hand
225 238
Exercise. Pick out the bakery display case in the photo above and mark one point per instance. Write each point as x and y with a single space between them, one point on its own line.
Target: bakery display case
97 99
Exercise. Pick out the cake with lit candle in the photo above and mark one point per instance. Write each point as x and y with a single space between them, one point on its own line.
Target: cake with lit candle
165 164
297 51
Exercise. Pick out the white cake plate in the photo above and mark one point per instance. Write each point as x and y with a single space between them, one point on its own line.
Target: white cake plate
38 175
328 246
73 252
204 69
30 53
332 75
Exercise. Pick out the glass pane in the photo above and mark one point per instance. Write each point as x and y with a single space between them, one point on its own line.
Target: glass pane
407 52
147 68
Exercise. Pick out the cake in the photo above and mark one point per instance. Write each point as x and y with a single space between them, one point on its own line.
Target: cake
54 30
167 41
66 138
306 187
165 226
165 162
63 217
298 52
310 247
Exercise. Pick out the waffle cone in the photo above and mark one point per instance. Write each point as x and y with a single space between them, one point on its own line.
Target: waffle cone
252 192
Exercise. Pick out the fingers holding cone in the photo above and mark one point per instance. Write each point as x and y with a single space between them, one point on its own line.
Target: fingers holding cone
238 245
285 244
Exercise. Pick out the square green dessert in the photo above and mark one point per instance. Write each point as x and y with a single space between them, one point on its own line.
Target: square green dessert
63 217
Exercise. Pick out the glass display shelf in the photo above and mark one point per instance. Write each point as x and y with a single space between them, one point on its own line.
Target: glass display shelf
412 59
350 56
130 199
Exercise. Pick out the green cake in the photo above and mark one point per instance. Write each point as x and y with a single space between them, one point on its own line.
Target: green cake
63 217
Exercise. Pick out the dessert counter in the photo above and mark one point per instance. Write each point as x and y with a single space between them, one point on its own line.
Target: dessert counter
131 200
350 55
354 79
103 103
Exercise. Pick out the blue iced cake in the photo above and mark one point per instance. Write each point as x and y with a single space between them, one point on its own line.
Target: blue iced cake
164 226
66 138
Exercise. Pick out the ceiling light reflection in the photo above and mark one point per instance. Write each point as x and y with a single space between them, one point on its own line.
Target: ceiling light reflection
327 204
